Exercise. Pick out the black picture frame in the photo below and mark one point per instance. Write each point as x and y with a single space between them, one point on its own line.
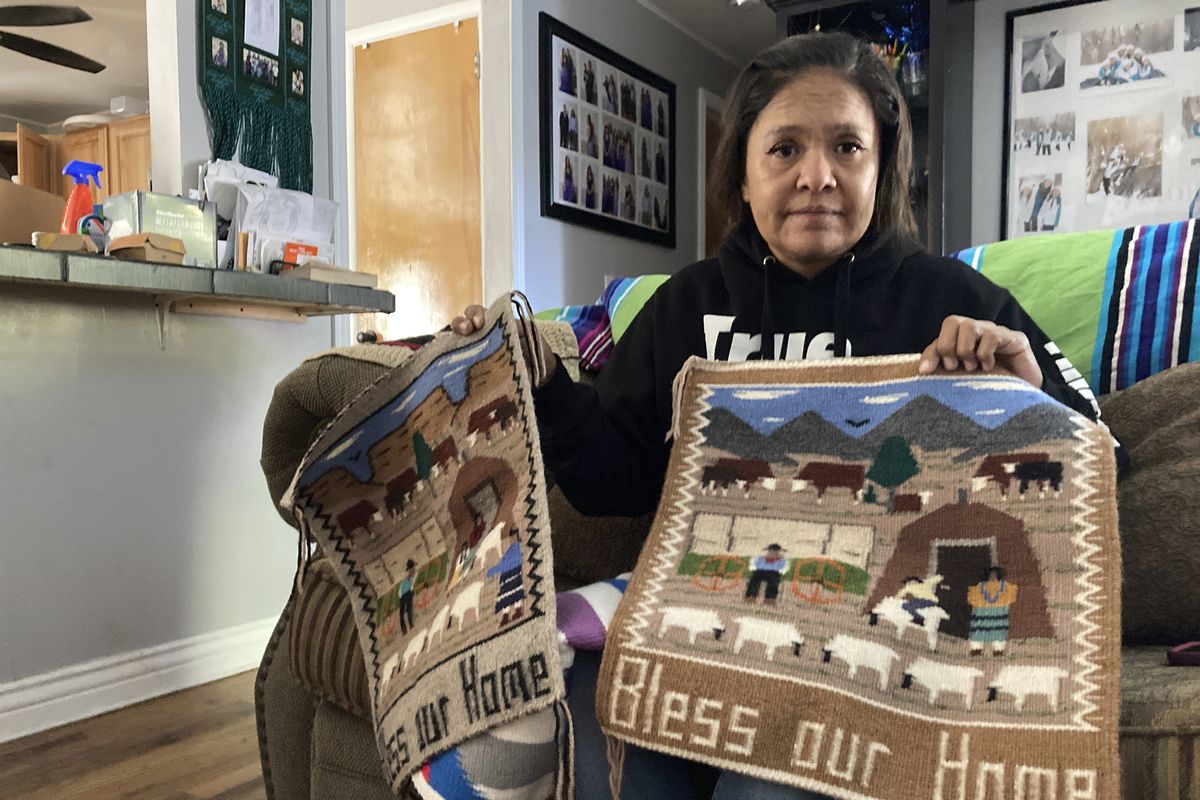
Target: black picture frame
564 56
1010 19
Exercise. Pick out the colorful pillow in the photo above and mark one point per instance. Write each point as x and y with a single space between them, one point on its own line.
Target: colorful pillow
624 298
598 327
1120 304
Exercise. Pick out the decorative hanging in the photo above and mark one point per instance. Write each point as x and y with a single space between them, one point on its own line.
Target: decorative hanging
255 59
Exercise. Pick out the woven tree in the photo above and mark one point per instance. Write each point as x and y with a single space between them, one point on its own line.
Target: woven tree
424 455
894 464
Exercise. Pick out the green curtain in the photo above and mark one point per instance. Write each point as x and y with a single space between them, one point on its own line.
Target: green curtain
256 92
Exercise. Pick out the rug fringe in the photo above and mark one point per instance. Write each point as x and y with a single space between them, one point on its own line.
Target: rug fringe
616 765
677 386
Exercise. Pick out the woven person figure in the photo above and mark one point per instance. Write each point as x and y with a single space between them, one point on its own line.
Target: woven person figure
510 599
990 600
406 596
918 594
768 569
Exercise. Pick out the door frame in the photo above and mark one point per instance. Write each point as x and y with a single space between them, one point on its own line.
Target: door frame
450 14
709 100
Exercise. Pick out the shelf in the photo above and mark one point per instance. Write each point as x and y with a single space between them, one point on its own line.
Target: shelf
194 289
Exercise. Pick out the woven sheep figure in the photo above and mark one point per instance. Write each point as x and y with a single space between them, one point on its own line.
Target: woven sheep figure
492 545
438 625
769 633
942 679
860 653
388 671
1025 682
467 600
693 620
415 646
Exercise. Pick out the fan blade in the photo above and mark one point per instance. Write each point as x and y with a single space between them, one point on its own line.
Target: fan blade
48 52
36 16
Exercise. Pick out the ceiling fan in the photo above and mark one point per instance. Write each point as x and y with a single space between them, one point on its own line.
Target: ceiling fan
39 15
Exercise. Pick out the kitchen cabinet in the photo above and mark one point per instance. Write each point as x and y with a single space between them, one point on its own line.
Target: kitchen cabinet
129 155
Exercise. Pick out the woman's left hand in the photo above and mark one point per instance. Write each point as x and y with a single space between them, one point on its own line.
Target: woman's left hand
976 344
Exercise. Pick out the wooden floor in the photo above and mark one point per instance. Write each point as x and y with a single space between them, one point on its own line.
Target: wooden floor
198 744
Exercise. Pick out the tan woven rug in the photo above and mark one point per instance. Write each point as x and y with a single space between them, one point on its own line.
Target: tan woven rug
428 495
877 585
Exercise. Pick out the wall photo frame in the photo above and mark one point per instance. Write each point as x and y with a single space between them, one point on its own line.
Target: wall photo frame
1102 115
607 128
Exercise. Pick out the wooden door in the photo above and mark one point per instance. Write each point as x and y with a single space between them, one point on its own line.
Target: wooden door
417 179
91 145
35 160
129 155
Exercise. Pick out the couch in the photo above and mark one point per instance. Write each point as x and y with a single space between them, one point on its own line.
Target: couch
314 726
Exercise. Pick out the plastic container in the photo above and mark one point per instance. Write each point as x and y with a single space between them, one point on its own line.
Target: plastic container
79 204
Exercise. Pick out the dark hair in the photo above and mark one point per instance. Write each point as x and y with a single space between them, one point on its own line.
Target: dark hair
782 63
987 576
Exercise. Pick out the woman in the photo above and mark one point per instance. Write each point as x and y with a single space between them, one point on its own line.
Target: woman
568 184
1051 213
589 189
990 600
813 170
589 83
589 146
628 207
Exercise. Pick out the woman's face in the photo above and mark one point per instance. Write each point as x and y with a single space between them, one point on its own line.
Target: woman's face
812 164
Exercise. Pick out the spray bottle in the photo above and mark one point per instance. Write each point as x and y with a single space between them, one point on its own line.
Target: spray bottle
79 204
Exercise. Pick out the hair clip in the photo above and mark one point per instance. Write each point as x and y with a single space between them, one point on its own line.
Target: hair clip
530 339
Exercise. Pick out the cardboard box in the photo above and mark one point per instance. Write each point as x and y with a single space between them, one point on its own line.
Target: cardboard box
192 222
152 247
64 242
24 210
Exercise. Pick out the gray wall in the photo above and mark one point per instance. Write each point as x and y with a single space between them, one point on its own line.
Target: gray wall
135 510
9 124
958 87
987 117
563 263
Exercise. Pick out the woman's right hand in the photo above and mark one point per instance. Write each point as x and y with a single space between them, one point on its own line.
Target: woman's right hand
469 321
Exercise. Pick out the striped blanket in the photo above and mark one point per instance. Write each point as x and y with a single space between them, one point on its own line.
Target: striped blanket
1120 303
599 327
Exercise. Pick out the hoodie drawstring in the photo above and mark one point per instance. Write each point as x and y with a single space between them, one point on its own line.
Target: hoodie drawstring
841 309
767 320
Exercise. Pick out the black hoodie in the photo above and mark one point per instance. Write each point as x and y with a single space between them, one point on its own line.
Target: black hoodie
606 446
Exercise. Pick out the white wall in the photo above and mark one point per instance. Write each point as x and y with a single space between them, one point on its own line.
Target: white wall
563 263
136 513
135 510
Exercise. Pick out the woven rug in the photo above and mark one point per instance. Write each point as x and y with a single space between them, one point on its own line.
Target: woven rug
877 585
428 495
